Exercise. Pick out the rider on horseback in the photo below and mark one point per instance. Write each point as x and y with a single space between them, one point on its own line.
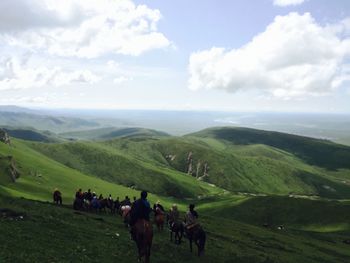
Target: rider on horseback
158 208
173 215
57 197
191 218
140 210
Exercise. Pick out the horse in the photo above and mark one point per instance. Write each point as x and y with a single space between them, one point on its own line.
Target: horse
106 203
159 219
57 198
78 204
177 229
125 209
198 235
143 236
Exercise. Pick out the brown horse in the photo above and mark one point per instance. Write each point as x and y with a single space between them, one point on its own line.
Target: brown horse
143 234
198 235
159 219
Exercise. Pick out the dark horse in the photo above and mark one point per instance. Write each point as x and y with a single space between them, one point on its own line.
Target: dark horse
177 229
198 235
143 235
106 203
57 197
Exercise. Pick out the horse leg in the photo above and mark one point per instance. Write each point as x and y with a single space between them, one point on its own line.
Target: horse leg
177 237
171 235
139 248
180 236
148 251
198 247
190 240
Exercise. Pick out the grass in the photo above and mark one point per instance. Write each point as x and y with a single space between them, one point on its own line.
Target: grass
139 161
61 235
318 152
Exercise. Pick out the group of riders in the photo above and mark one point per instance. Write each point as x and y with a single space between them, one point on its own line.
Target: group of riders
139 210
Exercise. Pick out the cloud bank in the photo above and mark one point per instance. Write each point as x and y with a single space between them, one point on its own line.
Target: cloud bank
65 31
293 57
85 29
17 74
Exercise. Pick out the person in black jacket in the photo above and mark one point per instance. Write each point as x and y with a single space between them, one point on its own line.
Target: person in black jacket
140 209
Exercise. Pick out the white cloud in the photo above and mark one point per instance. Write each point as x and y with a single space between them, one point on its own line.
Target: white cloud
121 79
293 57
86 29
287 2
18 74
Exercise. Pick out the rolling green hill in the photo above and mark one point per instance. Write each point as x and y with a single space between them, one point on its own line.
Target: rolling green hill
157 164
317 152
32 135
254 168
85 164
111 133
40 175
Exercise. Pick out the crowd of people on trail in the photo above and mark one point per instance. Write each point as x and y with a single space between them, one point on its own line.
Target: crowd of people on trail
139 210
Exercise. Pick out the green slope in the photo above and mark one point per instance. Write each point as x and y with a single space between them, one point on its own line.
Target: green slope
108 163
32 135
144 162
292 213
40 175
62 235
111 133
255 168
313 151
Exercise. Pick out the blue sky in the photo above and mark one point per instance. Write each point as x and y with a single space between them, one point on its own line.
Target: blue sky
249 55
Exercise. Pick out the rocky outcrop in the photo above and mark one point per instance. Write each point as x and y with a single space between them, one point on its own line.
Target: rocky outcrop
4 137
11 168
189 163
200 170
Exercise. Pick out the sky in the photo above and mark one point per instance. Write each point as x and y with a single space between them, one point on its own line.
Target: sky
242 55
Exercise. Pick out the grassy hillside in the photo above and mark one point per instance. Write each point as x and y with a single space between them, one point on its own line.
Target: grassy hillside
161 164
111 133
40 175
254 168
62 235
313 151
109 164
293 213
32 135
